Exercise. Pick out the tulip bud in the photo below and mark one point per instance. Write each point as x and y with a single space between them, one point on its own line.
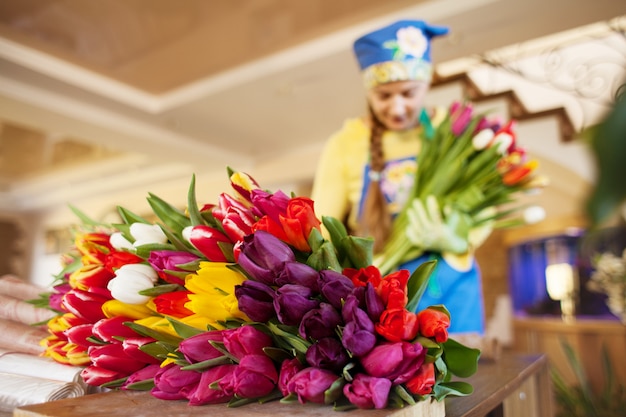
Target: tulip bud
256 300
147 233
368 392
310 384
327 353
482 139
129 280
119 242
398 362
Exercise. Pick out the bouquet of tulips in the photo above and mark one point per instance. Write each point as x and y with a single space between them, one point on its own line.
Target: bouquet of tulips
245 300
470 169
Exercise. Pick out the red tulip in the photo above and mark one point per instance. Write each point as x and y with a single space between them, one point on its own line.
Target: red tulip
422 383
397 325
434 323
206 239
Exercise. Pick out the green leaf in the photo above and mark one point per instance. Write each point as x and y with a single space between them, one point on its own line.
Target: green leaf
457 388
335 391
404 394
359 250
209 363
608 147
146 385
183 330
418 282
315 239
129 217
278 355
192 205
324 257
84 218
146 331
174 218
160 289
461 360
238 402
157 350
289 335
114 384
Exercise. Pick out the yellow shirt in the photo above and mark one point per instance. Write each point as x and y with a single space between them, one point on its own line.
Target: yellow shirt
338 184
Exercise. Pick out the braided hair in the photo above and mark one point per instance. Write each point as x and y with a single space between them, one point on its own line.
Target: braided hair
375 219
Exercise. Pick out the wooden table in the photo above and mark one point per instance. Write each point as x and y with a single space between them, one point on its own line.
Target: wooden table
494 384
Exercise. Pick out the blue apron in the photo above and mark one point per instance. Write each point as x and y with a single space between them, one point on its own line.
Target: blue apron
459 291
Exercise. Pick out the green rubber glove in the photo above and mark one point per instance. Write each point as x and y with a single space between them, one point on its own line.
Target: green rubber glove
428 229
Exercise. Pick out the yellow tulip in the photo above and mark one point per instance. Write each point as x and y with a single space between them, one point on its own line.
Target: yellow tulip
114 308
159 324
213 292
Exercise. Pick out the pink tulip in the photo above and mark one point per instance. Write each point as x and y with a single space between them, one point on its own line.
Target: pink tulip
310 384
202 394
198 349
246 340
367 391
172 383
398 362
254 377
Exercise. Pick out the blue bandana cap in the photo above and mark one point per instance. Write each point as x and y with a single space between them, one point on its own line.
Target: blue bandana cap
398 52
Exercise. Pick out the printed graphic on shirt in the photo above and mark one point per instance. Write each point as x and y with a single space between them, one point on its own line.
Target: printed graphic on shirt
396 182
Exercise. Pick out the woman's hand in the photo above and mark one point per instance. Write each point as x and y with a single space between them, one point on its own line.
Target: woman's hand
429 230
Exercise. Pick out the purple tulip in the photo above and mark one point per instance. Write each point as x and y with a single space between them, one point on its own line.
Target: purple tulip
245 340
310 384
202 394
168 260
144 374
254 377
256 300
292 302
335 287
397 362
359 333
269 204
288 369
299 274
263 256
320 322
198 349
172 383
327 353
374 304
367 391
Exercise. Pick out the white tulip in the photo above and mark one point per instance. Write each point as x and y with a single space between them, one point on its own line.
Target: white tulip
119 242
147 233
187 233
129 280
503 141
482 139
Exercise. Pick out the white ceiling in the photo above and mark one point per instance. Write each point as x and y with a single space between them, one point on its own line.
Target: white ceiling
269 116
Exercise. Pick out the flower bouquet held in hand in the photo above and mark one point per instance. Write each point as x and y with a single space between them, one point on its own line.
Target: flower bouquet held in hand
245 300
468 169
